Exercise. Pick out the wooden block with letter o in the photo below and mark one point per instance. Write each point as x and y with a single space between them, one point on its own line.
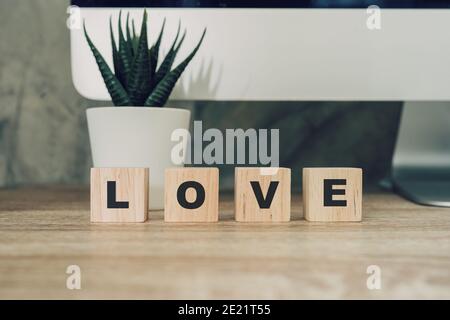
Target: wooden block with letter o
262 194
191 195
119 194
332 194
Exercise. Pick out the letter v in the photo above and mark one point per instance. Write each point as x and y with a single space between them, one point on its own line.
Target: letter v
264 203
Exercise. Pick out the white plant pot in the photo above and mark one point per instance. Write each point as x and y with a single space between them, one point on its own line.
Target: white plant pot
136 137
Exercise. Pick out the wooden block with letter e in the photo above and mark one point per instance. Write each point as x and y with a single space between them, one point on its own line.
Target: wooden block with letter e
332 194
119 194
191 195
262 194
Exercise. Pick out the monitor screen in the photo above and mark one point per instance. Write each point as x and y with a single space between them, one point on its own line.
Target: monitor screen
419 4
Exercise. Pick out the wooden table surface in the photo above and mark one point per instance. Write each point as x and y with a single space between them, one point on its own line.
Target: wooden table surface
44 230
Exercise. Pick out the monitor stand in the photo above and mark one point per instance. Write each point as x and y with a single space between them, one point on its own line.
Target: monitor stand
421 163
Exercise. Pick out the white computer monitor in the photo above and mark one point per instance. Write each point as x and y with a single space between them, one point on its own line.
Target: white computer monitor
286 50
306 50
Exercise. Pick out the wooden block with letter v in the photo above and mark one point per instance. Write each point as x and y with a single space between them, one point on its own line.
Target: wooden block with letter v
262 194
119 194
191 195
332 194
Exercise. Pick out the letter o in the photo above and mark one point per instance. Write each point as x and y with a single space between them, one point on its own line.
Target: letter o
181 195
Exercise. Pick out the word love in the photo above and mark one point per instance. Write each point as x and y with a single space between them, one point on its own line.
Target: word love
261 194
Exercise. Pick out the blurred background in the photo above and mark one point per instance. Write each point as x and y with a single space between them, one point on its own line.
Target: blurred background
43 131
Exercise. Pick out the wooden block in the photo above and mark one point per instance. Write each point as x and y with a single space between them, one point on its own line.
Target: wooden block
191 195
261 195
332 194
119 194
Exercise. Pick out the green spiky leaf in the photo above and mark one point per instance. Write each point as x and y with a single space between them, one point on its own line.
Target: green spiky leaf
116 90
161 93
135 37
167 63
125 56
139 84
114 46
115 52
154 54
129 37
134 28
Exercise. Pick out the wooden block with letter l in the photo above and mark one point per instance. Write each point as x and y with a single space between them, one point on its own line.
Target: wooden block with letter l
332 194
262 194
119 194
191 195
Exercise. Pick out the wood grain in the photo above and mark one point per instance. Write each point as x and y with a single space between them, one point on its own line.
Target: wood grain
313 188
208 178
247 208
44 230
131 187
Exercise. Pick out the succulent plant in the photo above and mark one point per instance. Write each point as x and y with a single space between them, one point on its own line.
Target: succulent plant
136 80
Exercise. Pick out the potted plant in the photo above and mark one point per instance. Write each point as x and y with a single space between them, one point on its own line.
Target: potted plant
136 131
